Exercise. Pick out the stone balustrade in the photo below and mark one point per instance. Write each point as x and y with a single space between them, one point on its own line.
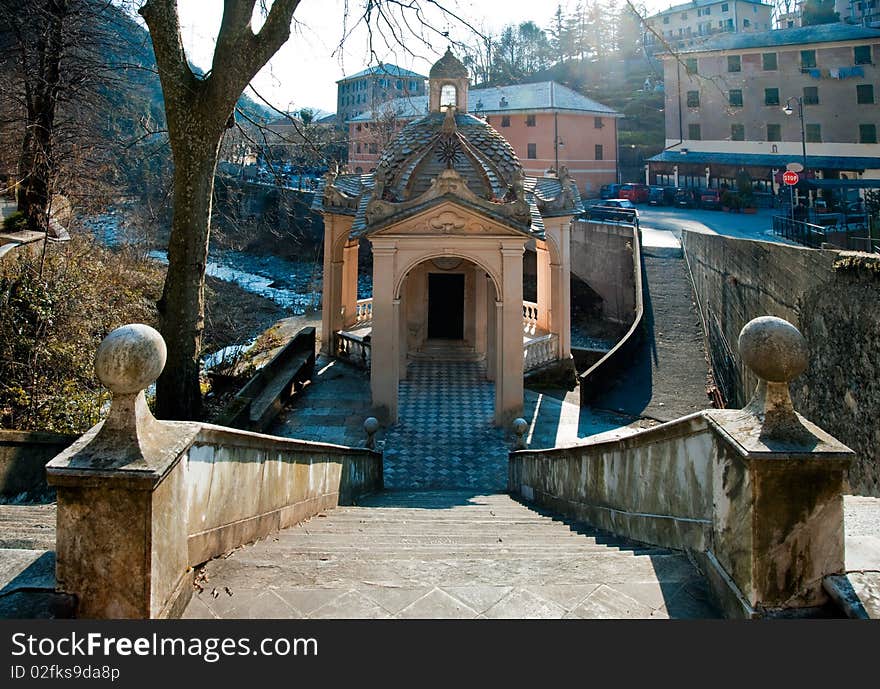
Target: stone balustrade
530 317
540 351
363 311
356 350
755 494
142 501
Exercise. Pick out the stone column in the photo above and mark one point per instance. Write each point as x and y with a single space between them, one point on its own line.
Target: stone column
349 283
545 289
778 487
509 403
121 544
562 310
480 311
384 346
331 299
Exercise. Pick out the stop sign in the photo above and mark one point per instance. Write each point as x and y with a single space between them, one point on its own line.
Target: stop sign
790 178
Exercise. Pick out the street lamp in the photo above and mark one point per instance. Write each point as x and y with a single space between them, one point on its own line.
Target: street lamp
788 111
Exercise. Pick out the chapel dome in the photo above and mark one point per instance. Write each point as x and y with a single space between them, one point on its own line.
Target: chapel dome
427 146
448 67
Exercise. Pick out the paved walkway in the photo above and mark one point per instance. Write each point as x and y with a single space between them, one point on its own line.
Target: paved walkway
445 436
448 555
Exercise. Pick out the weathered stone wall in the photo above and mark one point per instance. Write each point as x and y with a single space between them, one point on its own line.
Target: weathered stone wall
23 458
602 256
655 486
242 486
832 297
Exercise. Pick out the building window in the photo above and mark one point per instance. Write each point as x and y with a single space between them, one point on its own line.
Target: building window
814 133
693 99
399 84
864 94
724 7
694 132
808 59
598 123
746 23
374 149
665 20
867 133
862 55
768 61
735 98
737 132
448 96
530 120
774 132
811 95
734 64
505 120
771 96
532 152
691 65
357 147
600 154
684 15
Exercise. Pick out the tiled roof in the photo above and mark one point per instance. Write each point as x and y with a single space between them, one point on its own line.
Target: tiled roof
384 70
802 35
546 95
771 160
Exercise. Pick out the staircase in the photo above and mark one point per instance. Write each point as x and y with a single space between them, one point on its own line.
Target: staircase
448 554
440 350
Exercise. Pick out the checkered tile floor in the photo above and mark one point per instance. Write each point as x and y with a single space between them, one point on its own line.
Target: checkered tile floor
445 437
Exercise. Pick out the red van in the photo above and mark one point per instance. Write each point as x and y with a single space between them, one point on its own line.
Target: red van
637 193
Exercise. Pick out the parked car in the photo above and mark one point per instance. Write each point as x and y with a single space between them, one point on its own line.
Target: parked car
609 191
710 198
685 198
637 193
622 210
661 196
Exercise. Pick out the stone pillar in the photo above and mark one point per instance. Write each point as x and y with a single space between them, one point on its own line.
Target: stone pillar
384 345
121 545
480 311
562 310
509 403
331 298
402 335
545 289
778 487
493 310
349 283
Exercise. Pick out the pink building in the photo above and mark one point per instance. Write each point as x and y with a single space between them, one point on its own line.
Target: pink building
547 124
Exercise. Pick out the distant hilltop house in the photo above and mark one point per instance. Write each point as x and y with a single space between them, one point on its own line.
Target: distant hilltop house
759 101
547 124
687 24
368 88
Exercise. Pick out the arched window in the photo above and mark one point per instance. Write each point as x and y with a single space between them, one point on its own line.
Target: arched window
448 96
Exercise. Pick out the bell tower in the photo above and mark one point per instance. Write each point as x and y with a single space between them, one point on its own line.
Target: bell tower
448 84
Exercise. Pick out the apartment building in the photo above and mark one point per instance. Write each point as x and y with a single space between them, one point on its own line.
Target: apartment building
760 101
365 90
548 125
688 24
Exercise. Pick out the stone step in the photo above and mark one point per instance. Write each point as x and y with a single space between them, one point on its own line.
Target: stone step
27 527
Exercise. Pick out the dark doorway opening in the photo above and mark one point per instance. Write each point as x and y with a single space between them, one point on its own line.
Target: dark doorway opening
445 306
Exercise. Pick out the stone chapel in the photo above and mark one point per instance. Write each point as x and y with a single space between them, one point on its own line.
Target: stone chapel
448 215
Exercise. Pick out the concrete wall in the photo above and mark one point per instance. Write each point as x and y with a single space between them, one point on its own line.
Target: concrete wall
654 487
832 297
23 457
602 256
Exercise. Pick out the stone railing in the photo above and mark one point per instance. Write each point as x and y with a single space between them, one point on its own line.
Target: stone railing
755 495
141 501
540 351
363 311
356 350
530 317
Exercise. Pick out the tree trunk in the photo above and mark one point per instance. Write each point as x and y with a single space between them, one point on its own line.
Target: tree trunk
182 306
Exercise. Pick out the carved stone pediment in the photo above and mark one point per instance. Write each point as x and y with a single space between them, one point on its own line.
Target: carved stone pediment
449 219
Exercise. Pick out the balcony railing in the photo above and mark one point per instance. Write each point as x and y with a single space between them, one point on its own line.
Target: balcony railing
364 311
540 351
356 350
530 316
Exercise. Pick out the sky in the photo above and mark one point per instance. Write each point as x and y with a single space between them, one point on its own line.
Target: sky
304 72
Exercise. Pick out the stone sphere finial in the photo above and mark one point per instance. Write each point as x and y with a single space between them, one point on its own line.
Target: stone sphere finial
371 425
773 349
520 427
130 359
